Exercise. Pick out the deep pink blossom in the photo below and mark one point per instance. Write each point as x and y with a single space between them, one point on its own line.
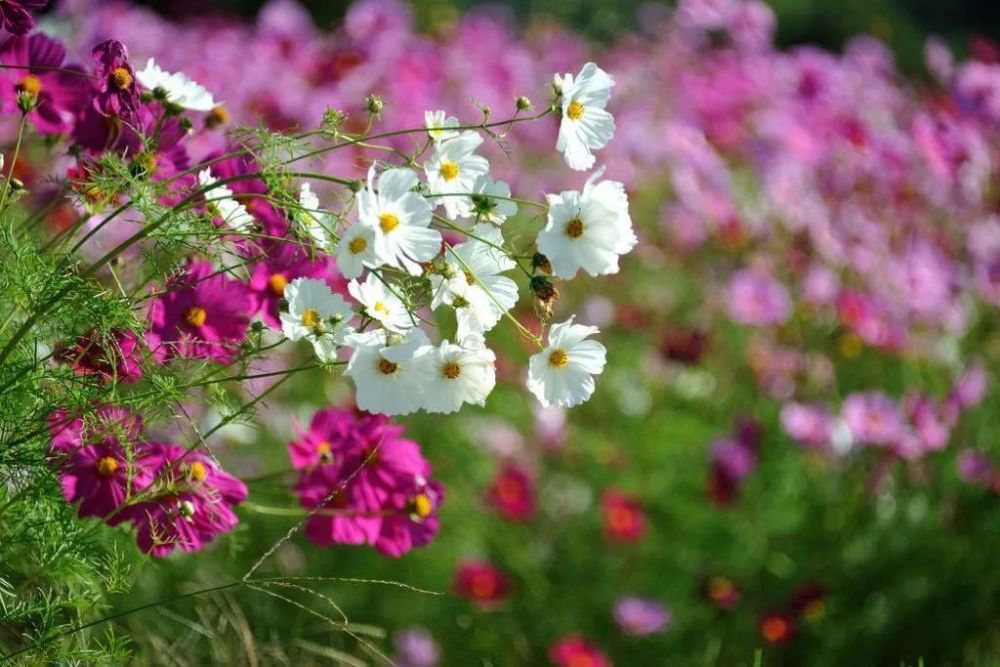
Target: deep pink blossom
114 357
575 650
203 313
35 65
15 15
116 86
512 493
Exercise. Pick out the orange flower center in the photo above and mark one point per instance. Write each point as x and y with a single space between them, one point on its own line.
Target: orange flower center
311 318
449 171
107 466
121 78
277 284
386 367
198 471
558 358
451 370
574 228
30 84
574 111
774 629
195 316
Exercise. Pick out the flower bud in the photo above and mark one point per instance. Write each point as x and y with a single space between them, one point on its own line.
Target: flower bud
540 262
375 105
523 103
545 293
27 100
333 119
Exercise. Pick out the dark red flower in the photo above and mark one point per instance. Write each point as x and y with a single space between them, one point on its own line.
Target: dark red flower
15 15
722 592
624 520
576 651
512 493
481 582
777 628
809 601
113 357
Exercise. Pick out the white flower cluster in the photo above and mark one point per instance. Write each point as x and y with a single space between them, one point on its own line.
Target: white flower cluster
395 243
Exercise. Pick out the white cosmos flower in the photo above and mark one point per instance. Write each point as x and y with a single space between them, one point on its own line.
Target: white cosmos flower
453 170
562 373
485 203
587 230
356 250
221 203
459 374
474 286
586 125
438 124
180 90
316 313
400 219
381 304
389 379
314 220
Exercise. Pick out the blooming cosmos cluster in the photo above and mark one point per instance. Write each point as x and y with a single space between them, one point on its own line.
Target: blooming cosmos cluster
364 483
173 497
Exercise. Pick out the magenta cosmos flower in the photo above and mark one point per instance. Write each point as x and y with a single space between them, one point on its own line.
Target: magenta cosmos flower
482 582
193 500
512 493
15 15
641 616
574 651
757 299
113 357
873 418
365 483
101 464
34 65
809 425
116 90
203 314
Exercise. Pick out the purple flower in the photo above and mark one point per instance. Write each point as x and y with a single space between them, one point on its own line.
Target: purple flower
193 501
641 616
116 90
806 424
15 15
202 314
35 66
757 299
975 467
415 647
873 418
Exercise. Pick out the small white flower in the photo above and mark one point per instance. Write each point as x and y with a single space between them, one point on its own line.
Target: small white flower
400 218
438 124
221 203
312 308
389 379
562 373
316 313
179 89
587 230
381 304
314 220
459 374
453 170
586 125
356 250
474 286
490 200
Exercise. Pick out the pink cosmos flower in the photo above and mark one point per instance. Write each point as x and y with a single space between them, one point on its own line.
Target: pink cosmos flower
70 431
282 261
807 424
15 15
35 65
641 616
410 518
415 647
345 514
512 493
203 313
193 502
116 90
114 358
481 582
757 299
873 418
575 650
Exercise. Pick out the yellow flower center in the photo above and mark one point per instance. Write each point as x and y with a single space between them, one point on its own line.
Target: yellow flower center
198 471
451 370
217 116
422 505
574 228
107 466
325 451
470 278
386 367
148 162
30 84
449 171
574 111
380 308
311 318
358 244
195 316
387 221
277 284
558 358
121 78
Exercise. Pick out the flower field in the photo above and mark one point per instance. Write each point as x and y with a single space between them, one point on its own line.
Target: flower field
480 343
